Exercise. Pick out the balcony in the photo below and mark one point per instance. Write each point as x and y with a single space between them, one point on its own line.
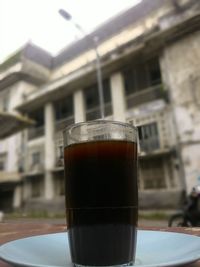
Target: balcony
12 122
94 113
155 131
61 124
9 177
36 168
146 95
34 161
148 137
59 161
149 145
35 132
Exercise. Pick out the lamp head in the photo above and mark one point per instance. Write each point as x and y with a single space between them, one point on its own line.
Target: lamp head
65 14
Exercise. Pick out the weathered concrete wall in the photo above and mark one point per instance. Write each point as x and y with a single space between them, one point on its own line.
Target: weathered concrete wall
170 199
160 199
191 161
181 74
38 205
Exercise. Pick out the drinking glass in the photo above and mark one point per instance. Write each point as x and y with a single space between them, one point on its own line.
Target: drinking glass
101 192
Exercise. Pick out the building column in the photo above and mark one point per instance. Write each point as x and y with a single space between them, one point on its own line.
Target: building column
79 106
49 151
17 197
26 190
166 173
141 180
118 97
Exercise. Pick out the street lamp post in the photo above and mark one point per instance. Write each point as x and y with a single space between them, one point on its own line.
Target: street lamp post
68 17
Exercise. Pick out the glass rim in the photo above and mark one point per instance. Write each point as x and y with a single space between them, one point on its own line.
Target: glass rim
98 122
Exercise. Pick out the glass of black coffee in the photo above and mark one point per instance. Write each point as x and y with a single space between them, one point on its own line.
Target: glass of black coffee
101 192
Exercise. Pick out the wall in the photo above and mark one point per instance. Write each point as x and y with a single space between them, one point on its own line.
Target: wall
160 199
181 67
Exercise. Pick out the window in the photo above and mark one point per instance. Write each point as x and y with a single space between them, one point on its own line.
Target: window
92 103
91 97
142 76
152 173
38 116
60 184
59 155
130 81
64 108
1 165
153 70
3 158
37 186
35 158
38 129
148 137
106 91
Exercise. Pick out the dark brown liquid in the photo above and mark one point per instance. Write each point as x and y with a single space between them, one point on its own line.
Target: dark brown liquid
101 201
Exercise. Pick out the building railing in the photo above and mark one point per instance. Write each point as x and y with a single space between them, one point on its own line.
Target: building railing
94 113
30 165
155 130
35 132
146 95
61 124
90 115
59 150
36 168
59 162
149 145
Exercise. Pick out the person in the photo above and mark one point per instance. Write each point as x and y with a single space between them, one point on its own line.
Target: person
193 205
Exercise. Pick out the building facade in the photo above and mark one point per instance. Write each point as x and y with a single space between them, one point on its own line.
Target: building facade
151 78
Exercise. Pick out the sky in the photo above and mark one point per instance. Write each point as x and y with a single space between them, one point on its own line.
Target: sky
38 21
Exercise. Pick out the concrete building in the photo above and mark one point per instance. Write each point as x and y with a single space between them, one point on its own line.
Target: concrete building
19 76
151 75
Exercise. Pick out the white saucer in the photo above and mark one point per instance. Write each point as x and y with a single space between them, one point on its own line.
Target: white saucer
154 249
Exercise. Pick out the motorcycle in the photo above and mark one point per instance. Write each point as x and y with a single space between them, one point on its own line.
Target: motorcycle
190 214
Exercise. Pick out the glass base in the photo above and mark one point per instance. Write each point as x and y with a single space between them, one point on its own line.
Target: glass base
120 265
